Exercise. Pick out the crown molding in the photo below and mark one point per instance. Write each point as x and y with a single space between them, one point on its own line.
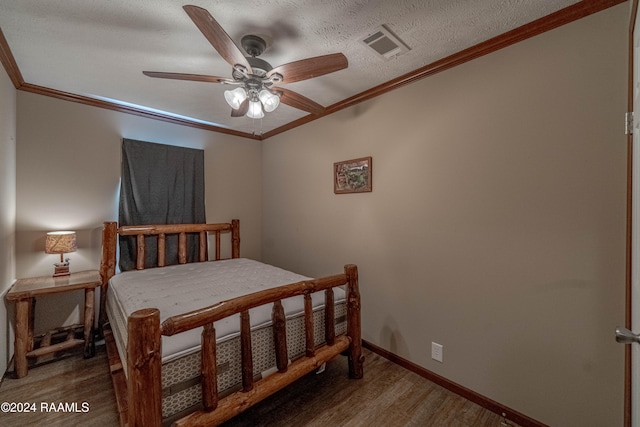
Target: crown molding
564 16
94 102
9 62
537 27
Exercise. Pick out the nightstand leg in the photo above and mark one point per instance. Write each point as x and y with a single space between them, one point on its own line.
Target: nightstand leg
22 337
89 314
32 322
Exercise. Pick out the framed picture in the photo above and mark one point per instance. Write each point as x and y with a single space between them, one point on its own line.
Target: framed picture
352 176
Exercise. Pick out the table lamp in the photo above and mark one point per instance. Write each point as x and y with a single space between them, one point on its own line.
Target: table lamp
61 242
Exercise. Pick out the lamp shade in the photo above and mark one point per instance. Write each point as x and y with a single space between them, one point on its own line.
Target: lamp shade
60 242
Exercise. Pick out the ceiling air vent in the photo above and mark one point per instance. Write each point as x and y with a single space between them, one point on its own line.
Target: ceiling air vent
385 44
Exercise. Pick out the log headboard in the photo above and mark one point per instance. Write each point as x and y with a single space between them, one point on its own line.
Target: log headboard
110 232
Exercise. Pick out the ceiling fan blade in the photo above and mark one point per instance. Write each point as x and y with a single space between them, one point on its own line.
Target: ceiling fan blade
242 109
216 35
310 67
190 77
295 100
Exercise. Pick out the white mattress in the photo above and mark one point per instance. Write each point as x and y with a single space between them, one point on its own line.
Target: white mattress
182 288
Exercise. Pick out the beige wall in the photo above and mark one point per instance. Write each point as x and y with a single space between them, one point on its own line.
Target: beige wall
496 225
7 208
495 228
68 169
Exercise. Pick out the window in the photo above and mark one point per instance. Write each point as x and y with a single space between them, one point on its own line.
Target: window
160 184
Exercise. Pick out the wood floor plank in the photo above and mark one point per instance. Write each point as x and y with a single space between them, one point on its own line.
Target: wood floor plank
71 382
388 395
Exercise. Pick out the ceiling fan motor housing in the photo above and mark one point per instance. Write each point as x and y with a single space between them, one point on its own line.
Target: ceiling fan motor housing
259 66
255 46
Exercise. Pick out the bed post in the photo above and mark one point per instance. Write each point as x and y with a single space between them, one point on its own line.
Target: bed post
235 238
356 359
144 362
107 266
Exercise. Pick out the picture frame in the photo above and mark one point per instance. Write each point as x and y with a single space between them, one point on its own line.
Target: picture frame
353 176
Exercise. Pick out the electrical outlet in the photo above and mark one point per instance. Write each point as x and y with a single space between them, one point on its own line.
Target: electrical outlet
436 351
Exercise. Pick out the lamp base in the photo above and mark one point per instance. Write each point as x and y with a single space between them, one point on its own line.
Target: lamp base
61 269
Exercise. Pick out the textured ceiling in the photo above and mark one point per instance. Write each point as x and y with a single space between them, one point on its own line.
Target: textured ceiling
99 48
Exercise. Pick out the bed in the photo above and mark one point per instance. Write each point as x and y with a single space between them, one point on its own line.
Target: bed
197 343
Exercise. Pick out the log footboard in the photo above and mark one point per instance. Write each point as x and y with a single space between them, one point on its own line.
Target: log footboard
144 346
144 349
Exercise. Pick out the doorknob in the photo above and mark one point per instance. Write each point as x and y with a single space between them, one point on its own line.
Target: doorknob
625 336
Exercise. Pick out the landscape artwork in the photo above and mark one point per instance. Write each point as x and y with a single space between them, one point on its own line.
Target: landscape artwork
352 176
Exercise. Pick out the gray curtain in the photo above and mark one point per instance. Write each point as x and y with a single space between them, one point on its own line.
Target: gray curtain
160 184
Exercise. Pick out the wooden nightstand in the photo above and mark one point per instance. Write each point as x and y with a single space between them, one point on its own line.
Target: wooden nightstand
23 293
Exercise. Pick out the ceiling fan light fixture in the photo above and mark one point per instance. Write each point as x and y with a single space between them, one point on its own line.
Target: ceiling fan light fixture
235 97
255 76
255 110
269 100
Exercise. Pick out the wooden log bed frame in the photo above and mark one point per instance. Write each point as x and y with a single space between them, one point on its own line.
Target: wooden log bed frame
139 392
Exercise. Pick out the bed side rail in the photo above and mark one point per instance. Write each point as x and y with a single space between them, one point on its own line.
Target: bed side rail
215 412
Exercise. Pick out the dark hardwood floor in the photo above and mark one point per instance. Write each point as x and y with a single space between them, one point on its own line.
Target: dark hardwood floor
72 380
389 395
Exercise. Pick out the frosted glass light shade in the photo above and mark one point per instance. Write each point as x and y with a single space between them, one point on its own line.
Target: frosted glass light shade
255 110
235 97
269 100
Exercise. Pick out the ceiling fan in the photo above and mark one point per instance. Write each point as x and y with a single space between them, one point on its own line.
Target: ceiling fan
258 82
